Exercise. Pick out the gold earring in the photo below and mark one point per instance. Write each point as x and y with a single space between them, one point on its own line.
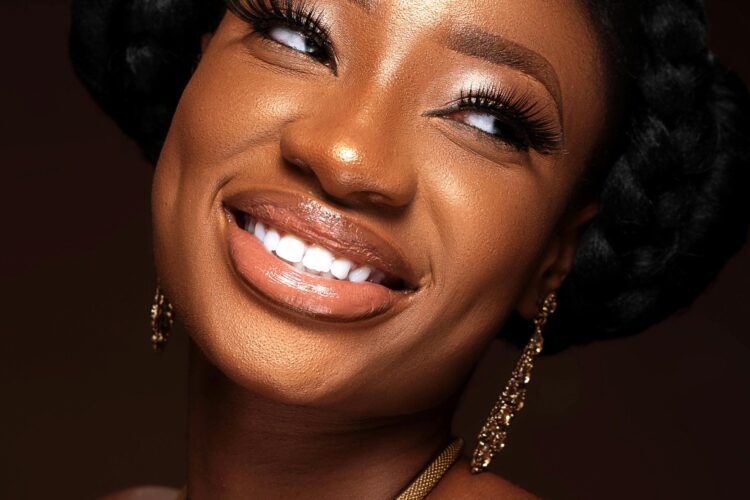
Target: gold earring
491 438
162 319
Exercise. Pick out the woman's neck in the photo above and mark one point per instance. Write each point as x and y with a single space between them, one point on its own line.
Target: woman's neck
241 444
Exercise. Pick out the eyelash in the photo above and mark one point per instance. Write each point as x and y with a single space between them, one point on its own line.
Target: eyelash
519 115
519 112
264 15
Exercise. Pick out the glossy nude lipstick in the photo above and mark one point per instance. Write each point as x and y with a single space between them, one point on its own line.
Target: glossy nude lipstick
304 256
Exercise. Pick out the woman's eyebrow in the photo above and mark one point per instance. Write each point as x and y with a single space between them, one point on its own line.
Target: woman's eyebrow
366 5
473 41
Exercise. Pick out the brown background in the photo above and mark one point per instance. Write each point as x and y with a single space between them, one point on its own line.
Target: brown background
87 408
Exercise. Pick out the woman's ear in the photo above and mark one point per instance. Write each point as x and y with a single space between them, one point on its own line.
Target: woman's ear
557 260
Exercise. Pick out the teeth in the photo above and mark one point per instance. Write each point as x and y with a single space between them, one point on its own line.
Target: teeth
340 268
271 241
260 231
291 249
318 259
360 274
313 259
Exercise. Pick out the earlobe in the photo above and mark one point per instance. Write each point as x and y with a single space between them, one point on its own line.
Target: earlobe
557 261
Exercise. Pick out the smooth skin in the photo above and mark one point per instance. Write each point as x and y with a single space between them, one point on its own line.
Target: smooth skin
287 406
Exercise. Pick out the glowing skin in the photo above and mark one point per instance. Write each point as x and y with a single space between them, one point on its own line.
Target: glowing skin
484 229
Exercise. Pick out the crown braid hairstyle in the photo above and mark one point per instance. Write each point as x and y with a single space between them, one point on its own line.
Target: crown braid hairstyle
672 201
672 205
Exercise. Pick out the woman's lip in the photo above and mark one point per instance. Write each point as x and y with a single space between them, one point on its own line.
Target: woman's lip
315 222
319 297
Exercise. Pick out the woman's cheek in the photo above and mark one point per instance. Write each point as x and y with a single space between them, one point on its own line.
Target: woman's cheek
225 112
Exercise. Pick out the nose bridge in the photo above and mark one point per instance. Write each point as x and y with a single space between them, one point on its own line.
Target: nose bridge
349 141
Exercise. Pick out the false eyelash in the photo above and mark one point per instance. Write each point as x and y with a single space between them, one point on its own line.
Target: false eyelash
521 112
263 15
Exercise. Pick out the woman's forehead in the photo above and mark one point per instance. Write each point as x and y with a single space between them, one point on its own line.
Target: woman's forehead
552 29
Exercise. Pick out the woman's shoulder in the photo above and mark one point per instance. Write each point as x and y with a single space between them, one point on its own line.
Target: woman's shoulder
460 483
144 493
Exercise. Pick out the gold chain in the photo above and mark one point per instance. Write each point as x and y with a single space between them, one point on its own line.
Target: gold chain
421 486
429 478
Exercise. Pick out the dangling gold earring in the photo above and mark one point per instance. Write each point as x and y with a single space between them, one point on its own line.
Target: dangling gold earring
162 319
491 438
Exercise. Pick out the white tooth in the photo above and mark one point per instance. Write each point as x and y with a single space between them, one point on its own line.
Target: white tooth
360 274
340 268
318 259
291 248
260 231
249 224
271 241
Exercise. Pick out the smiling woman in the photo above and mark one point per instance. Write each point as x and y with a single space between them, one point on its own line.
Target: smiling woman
352 199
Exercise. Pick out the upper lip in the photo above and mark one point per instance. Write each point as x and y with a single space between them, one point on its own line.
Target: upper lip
318 223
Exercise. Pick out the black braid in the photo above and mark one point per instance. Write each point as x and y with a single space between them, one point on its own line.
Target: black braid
136 57
673 208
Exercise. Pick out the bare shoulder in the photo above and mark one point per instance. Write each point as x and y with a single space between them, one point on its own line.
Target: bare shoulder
460 483
144 493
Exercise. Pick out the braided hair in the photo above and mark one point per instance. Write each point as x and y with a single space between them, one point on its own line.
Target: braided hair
672 206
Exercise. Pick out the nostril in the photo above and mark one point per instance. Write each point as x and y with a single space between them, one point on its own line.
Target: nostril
377 198
301 165
299 162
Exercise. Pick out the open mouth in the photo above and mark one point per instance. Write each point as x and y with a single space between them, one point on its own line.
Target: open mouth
313 257
315 260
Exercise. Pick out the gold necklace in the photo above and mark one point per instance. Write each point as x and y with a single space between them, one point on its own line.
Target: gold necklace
421 486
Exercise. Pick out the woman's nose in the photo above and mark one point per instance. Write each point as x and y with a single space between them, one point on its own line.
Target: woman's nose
355 158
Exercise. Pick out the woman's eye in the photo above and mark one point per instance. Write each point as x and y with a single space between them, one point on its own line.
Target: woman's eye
293 39
486 122
496 128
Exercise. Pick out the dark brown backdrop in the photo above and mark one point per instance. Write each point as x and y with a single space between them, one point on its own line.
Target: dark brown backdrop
87 408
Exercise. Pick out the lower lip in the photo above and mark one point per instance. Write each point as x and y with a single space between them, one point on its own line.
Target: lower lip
304 293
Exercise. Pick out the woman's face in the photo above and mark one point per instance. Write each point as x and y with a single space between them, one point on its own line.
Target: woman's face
431 148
